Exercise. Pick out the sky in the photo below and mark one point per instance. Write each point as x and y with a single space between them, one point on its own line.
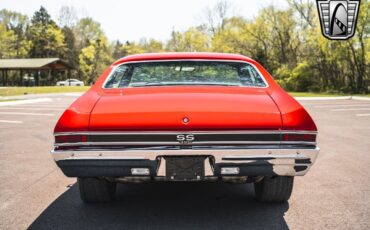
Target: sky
135 19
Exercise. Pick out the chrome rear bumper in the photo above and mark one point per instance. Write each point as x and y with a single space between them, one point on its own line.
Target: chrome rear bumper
252 162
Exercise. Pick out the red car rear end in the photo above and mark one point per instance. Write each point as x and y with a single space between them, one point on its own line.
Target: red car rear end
185 117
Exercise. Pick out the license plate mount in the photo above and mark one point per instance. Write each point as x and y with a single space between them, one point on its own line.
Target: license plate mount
182 168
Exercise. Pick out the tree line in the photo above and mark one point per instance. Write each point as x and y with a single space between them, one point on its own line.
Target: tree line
287 42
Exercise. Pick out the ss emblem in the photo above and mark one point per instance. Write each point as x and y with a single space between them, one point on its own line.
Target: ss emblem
185 138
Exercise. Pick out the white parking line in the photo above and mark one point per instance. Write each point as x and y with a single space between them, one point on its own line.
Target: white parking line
30 108
351 109
361 98
346 105
38 106
73 94
363 115
55 105
7 121
31 114
28 101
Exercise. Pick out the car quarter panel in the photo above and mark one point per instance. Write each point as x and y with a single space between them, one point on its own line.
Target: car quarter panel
77 116
293 114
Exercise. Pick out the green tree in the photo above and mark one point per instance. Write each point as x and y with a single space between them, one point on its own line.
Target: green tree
175 44
42 17
118 51
7 40
359 48
93 59
152 46
17 23
71 52
46 37
132 48
87 30
193 40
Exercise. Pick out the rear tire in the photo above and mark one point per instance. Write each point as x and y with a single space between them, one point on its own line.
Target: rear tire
93 190
274 189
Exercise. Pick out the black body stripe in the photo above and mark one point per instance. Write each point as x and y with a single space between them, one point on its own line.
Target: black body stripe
173 138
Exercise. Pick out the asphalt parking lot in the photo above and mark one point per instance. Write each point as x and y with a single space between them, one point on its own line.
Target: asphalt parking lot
335 194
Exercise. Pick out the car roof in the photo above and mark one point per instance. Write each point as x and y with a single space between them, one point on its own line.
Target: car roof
182 55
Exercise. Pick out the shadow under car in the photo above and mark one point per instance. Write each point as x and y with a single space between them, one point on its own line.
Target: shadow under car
166 205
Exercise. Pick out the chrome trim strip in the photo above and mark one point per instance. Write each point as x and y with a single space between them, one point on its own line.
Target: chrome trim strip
172 60
106 158
298 142
165 143
185 132
179 144
267 156
218 154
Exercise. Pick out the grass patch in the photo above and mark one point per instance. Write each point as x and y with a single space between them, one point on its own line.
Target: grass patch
5 100
361 95
309 94
12 91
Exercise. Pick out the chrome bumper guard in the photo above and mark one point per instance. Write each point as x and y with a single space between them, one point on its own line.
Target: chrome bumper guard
282 162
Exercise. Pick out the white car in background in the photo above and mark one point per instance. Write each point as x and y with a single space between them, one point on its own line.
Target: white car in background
70 82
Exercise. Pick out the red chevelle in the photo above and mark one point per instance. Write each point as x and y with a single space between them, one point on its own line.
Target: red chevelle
185 117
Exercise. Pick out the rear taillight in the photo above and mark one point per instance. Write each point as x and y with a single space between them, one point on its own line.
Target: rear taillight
305 137
70 138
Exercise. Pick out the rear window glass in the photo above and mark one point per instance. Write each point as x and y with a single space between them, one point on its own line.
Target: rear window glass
145 74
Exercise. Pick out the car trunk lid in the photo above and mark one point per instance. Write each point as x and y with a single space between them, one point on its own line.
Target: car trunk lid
185 108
